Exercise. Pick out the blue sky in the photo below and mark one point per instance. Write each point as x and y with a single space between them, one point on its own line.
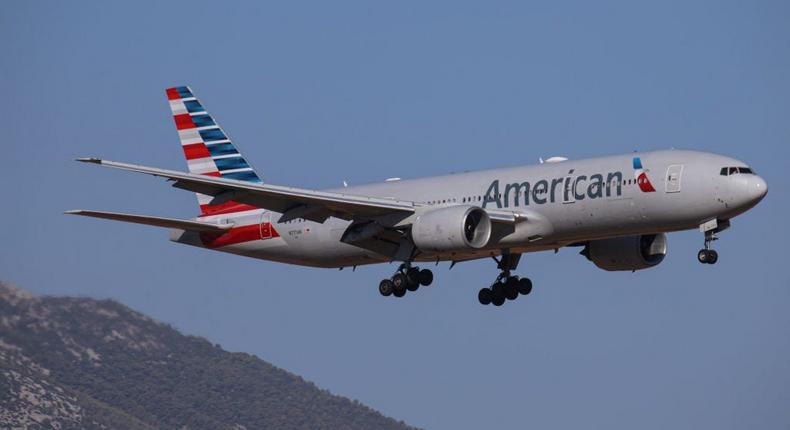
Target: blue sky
317 93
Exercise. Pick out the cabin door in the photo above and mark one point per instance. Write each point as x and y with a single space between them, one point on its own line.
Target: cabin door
674 174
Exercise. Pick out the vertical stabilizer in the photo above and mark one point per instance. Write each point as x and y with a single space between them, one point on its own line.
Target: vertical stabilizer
207 148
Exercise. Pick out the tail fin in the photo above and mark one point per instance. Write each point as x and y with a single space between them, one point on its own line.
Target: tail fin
207 149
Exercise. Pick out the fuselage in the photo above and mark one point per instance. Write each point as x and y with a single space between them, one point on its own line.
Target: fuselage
564 203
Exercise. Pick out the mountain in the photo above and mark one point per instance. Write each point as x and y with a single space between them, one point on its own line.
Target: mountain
85 363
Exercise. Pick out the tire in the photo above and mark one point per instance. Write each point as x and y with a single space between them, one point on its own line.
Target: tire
413 276
412 286
399 280
713 257
426 277
702 256
385 287
524 286
484 296
399 291
511 293
498 294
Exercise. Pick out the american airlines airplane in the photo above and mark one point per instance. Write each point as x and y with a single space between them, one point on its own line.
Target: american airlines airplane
618 209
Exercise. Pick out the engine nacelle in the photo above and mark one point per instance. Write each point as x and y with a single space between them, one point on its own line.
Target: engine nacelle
454 228
627 253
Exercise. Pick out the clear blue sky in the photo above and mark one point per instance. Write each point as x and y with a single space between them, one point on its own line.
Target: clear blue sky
315 93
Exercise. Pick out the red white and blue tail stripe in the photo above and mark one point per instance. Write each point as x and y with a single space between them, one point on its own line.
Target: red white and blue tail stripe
207 148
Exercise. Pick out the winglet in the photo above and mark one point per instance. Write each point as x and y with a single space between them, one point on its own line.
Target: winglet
93 160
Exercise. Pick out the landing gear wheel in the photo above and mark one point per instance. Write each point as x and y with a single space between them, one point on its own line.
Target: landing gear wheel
498 296
509 288
524 286
399 284
413 276
485 296
412 286
385 287
399 291
426 277
399 280
707 256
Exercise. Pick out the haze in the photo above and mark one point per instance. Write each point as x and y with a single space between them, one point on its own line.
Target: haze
315 94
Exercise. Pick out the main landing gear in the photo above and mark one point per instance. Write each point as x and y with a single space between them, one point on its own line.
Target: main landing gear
506 286
707 255
406 278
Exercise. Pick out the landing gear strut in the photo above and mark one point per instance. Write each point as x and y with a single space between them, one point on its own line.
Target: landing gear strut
406 278
506 287
707 255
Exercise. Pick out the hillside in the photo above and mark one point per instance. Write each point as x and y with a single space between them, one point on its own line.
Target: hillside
85 363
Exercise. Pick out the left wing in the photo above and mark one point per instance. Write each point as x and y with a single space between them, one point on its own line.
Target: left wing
291 202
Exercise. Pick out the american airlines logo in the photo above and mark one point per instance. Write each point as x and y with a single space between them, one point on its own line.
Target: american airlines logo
566 189
640 174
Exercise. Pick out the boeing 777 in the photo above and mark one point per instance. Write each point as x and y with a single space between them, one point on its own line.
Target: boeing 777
618 209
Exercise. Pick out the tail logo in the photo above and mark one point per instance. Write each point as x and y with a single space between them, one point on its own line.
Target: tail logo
640 174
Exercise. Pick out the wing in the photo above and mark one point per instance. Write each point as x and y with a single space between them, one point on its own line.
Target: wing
156 221
291 202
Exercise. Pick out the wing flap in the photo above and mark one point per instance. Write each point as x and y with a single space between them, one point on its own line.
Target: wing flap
155 221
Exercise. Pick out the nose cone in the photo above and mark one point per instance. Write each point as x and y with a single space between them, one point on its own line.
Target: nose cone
757 188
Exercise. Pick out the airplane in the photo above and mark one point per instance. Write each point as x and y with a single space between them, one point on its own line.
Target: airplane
618 209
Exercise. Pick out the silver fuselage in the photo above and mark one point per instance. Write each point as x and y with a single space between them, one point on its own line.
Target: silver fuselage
566 202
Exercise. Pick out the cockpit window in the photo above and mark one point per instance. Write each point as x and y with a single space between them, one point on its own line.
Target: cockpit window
726 171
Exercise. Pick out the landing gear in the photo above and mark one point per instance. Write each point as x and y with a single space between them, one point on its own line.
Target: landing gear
407 278
707 255
506 287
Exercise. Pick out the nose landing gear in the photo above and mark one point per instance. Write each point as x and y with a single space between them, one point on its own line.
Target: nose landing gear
707 255
406 278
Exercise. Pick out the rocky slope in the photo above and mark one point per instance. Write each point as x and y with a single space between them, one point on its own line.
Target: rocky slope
85 363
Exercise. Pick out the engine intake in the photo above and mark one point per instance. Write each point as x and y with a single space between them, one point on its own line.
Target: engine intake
454 228
627 253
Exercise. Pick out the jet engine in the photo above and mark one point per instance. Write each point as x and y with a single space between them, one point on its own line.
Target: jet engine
454 228
627 253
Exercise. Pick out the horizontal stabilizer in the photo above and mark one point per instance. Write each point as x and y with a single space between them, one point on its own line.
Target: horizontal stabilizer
155 221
